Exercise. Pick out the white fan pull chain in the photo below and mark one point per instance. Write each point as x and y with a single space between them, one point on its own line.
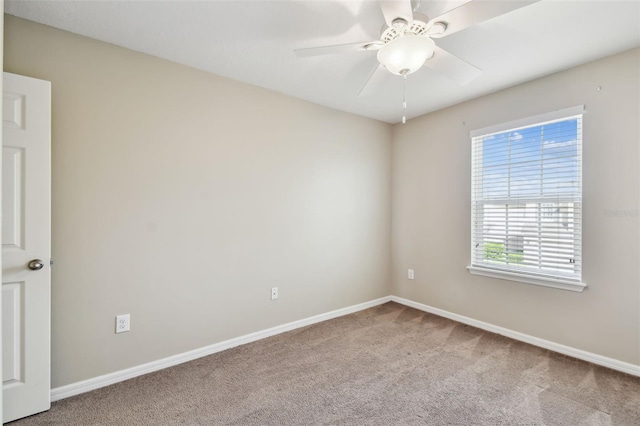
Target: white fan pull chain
404 98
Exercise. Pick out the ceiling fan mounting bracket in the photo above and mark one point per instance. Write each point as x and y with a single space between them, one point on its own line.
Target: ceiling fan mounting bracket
374 45
438 29
399 23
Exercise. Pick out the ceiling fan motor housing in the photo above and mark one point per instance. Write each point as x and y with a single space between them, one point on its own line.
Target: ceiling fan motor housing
417 27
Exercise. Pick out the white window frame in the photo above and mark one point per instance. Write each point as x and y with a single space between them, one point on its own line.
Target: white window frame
547 280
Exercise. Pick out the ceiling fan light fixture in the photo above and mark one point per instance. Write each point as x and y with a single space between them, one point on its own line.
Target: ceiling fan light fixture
406 54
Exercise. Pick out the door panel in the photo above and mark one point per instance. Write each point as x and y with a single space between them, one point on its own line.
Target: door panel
12 325
12 195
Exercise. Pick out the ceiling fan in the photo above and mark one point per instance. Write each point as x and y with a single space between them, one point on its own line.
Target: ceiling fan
407 43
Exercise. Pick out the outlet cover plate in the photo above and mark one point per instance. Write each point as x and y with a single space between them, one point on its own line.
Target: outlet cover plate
123 323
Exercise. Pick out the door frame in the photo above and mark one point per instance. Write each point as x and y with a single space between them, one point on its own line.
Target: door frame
1 91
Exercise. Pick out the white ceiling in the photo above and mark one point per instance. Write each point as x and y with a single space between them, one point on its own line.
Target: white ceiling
253 41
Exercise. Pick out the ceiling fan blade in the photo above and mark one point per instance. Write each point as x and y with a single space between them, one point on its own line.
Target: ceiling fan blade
337 48
393 9
452 67
475 11
374 82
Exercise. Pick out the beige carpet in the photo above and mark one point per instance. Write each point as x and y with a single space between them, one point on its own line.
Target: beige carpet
388 365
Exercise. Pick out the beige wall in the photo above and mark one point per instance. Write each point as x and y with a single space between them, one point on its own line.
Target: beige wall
181 198
431 212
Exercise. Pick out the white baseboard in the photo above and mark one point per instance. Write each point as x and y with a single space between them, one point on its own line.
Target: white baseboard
604 361
129 373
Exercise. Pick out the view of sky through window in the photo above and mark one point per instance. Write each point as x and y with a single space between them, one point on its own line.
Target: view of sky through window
515 162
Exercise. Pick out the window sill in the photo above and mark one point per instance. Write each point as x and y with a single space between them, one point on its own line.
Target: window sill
542 281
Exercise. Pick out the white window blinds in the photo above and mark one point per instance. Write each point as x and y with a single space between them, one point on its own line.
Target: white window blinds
527 196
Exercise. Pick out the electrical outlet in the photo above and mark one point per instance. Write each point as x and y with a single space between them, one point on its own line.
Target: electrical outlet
274 293
410 274
123 323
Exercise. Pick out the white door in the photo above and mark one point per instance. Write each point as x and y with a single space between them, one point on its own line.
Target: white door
26 246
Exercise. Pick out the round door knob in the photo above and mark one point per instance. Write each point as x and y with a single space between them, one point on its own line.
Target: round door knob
36 264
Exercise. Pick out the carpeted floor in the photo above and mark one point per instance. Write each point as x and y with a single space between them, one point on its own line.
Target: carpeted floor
389 365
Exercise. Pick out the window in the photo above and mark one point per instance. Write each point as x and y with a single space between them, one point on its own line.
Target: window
526 206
